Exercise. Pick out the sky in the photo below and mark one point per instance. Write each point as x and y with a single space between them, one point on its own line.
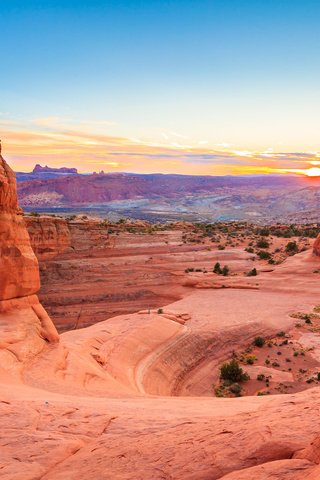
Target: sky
201 87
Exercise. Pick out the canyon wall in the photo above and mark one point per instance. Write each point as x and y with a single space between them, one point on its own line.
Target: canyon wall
22 317
91 272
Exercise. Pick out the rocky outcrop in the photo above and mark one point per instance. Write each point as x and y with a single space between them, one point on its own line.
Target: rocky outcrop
65 170
50 236
19 272
316 246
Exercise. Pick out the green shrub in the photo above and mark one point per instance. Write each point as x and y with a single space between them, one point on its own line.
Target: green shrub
232 372
262 243
292 247
217 268
252 273
225 271
259 342
263 255
250 359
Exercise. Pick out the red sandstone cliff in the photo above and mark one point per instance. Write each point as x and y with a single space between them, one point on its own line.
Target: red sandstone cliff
19 272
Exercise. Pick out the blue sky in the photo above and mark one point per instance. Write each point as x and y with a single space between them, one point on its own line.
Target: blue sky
234 74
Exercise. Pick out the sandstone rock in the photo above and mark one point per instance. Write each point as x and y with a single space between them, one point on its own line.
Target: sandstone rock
316 246
312 452
19 272
49 236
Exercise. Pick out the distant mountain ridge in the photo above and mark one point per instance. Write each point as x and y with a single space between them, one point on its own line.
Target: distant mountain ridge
170 196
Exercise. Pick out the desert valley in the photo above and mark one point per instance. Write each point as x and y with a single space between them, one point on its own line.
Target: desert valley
185 350
159 240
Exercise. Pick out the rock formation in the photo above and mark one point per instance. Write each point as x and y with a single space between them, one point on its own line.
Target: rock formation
316 246
49 236
19 272
65 170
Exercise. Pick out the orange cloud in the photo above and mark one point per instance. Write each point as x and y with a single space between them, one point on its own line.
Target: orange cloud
56 142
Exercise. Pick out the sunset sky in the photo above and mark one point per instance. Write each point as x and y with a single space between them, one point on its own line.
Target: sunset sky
202 87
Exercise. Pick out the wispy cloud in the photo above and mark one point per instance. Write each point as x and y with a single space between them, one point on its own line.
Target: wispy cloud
58 142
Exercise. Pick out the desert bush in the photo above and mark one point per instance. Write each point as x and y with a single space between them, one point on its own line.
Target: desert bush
225 271
250 359
259 342
292 247
232 372
252 273
217 268
262 243
263 255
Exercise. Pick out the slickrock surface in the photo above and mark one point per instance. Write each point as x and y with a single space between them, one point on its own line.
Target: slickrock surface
316 247
132 397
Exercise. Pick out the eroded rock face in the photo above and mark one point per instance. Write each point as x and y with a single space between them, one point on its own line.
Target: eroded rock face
49 236
19 272
316 246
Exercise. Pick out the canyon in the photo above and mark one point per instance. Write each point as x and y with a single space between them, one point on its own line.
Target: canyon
132 396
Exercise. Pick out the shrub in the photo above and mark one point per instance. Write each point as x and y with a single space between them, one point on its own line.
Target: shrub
263 255
217 268
160 311
252 273
292 247
34 214
225 271
276 364
261 377
251 359
249 250
262 243
221 247
259 342
232 372
264 232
